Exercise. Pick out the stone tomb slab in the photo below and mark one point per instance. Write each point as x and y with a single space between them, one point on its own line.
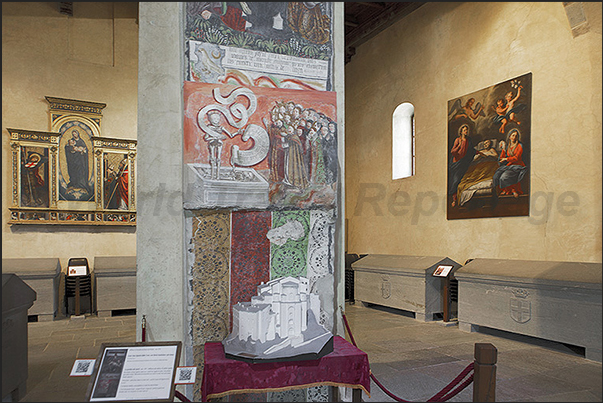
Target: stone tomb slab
115 280
43 275
402 282
558 301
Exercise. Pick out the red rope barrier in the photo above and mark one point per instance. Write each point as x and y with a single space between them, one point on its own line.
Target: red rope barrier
457 390
438 396
181 396
390 394
449 391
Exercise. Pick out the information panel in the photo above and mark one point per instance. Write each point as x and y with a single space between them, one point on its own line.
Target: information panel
135 372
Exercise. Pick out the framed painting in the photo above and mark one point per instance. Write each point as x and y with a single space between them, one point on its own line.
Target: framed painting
34 167
115 161
77 122
71 175
489 145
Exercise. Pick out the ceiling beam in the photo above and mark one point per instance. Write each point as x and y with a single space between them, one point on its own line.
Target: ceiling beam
393 12
380 6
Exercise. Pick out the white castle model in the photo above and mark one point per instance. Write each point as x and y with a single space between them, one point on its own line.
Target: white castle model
277 323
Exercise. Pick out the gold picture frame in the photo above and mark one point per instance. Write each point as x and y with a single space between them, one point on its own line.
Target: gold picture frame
72 175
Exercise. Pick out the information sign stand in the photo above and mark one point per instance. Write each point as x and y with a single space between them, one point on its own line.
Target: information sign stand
445 271
142 371
78 284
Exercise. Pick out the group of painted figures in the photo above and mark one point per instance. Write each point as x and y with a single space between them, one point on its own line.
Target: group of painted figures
303 146
509 153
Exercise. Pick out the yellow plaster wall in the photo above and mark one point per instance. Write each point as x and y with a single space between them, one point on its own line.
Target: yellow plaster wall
447 50
92 56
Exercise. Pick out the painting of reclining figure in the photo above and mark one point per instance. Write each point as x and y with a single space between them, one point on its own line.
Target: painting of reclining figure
489 143
259 147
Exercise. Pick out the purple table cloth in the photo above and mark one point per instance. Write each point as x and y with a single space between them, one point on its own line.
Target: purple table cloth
345 366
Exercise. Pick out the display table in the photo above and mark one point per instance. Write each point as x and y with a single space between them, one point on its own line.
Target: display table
347 366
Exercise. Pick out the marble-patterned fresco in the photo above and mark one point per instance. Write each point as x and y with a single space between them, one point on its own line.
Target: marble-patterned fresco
210 278
320 261
289 259
250 254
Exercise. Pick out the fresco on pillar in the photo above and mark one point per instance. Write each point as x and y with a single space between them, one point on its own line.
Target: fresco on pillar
262 44
255 147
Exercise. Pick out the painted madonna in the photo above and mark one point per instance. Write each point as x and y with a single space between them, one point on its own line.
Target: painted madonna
76 164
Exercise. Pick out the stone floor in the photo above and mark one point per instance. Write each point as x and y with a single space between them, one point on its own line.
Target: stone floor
413 359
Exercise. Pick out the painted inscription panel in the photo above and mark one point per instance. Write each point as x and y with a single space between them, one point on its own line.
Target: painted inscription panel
211 63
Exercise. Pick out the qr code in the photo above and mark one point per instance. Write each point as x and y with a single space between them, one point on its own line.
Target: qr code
82 367
186 374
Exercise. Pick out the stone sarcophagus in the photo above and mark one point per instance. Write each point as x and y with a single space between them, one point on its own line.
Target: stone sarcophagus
43 275
402 282
115 279
235 187
558 301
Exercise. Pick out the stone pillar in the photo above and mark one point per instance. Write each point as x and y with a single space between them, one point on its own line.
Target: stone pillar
160 229
339 84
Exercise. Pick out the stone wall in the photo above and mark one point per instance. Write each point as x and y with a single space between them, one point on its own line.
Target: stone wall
443 51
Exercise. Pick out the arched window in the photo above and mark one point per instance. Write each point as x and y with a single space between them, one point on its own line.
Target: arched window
403 141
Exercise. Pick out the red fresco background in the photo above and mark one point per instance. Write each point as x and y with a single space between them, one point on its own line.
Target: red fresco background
198 95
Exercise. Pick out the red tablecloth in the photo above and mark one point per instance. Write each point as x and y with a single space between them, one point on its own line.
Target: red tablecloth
346 366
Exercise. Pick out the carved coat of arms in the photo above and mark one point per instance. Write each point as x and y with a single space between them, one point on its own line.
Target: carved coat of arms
386 287
521 308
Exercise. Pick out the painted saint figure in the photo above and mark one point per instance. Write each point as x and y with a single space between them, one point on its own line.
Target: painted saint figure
116 189
76 154
512 169
317 165
34 193
295 170
461 155
329 148
307 19
276 154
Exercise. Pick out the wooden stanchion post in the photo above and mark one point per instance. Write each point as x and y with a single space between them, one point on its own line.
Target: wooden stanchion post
484 373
